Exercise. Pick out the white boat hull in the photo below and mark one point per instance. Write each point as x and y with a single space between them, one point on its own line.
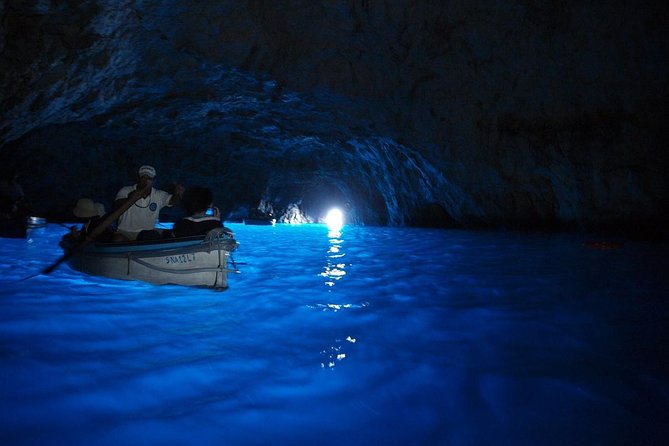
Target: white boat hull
190 262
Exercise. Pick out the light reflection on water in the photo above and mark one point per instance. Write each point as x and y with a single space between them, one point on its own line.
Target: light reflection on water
334 269
366 336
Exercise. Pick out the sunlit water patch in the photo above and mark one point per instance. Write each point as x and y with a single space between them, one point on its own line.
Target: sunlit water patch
358 336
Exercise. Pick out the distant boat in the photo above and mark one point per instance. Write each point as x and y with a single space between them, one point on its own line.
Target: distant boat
200 261
267 221
17 227
258 217
35 222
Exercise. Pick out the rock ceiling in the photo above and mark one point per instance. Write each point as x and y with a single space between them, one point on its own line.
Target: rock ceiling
514 114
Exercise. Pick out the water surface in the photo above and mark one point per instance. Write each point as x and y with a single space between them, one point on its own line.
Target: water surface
369 336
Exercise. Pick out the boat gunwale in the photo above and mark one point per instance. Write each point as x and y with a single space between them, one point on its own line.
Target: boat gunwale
192 248
160 245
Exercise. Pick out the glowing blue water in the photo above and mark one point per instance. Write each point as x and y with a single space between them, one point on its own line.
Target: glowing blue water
376 336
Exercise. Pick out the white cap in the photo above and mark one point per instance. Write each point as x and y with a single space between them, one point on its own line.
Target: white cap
149 171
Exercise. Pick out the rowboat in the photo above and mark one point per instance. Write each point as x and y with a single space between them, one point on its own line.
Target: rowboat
258 217
200 261
18 226
269 221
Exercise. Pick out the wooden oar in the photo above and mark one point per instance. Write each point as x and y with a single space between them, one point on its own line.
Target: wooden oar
132 198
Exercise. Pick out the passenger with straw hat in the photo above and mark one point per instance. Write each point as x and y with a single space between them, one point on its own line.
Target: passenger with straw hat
94 212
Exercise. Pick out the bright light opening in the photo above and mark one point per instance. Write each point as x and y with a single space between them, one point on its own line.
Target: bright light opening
334 220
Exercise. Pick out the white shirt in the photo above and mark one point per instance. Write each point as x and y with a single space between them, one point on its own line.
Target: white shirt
143 214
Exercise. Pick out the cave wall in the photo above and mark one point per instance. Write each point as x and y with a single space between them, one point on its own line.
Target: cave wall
524 113
544 111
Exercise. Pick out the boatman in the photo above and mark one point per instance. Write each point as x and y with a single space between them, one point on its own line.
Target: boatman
139 221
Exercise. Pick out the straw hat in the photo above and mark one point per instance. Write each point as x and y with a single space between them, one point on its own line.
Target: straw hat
86 208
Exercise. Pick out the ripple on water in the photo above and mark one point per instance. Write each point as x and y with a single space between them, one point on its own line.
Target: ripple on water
372 336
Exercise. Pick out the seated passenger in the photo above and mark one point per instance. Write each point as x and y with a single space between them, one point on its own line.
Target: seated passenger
12 199
204 217
95 213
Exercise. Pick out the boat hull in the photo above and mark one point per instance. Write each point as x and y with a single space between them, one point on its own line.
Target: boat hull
194 261
18 227
260 221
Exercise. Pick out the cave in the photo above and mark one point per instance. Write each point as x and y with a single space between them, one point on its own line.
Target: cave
499 275
533 115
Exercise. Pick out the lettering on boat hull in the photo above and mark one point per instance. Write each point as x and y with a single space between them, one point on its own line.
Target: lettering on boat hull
183 258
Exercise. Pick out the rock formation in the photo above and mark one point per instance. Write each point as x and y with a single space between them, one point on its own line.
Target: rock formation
532 114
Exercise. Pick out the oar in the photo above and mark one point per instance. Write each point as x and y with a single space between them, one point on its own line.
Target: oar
132 198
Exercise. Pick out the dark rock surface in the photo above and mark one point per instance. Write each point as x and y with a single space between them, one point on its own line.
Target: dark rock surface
530 114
